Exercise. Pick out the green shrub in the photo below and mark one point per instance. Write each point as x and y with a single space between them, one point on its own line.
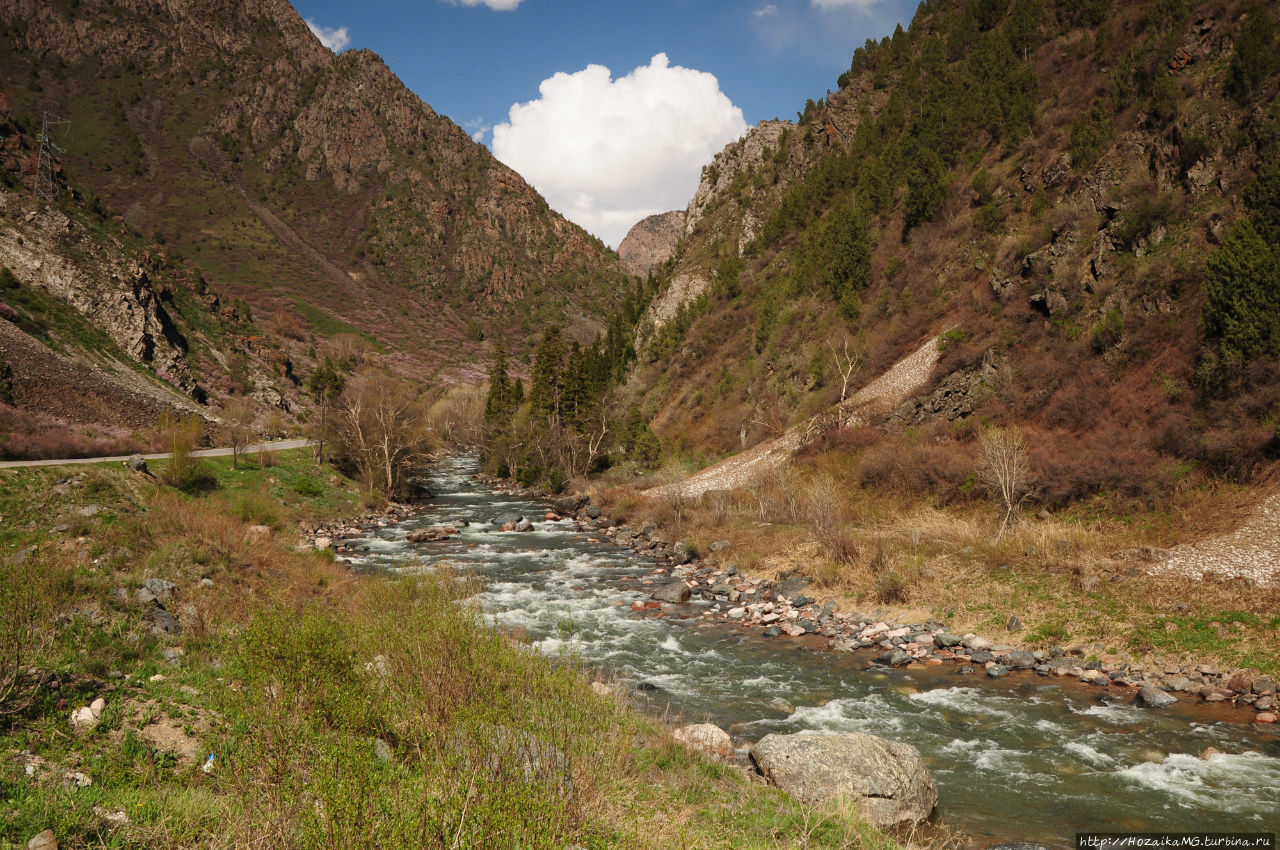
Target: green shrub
1090 135
257 508
1254 59
308 487
6 381
1242 285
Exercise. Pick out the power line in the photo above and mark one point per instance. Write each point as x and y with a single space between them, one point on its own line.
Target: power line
46 159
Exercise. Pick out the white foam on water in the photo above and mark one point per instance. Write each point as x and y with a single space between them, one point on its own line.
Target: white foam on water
1118 715
871 713
758 682
1089 754
968 700
1050 728
1226 782
670 644
965 747
1005 762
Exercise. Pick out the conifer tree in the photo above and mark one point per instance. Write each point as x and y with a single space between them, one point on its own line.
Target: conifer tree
547 383
501 400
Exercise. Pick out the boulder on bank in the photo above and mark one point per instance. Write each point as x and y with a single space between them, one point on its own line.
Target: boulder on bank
706 738
675 592
886 780
1151 696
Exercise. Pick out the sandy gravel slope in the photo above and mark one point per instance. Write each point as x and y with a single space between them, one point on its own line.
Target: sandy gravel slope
881 395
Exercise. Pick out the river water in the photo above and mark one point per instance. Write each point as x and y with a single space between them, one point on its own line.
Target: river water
1016 758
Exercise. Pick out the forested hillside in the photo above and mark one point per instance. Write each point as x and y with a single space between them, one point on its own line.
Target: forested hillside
1079 199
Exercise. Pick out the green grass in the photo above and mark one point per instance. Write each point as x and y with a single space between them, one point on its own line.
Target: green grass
1240 638
292 668
326 324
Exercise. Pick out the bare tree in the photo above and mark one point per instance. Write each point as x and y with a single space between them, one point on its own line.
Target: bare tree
458 417
1005 470
238 415
382 426
848 360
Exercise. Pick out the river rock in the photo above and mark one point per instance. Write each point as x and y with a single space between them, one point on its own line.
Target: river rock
782 705
1153 697
682 552
946 640
976 642
1020 660
137 463
676 592
1264 685
894 658
706 738
435 532
995 671
886 780
1264 717
523 525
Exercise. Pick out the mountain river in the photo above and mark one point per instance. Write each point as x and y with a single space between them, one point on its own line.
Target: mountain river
1019 758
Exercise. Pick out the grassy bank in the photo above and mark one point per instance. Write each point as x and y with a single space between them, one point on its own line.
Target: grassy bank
1074 578
339 711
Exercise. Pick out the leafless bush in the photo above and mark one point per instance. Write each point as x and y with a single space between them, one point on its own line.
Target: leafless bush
1005 470
458 417
760 486
823 504
785 480
27 597
238 415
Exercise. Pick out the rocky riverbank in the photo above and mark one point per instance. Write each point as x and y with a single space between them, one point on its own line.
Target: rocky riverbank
783 609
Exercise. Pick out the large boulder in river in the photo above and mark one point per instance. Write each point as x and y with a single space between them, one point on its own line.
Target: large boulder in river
885 780
435 532
675 592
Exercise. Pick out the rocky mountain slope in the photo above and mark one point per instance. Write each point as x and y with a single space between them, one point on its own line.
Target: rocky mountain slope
651 241
314 186
1042 188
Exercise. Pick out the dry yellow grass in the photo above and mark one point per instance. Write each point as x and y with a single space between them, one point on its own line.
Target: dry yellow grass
1056 573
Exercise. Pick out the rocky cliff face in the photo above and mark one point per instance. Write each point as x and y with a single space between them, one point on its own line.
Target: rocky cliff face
286 172
651 242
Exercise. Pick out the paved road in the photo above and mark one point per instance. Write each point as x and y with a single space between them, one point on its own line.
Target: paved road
278 445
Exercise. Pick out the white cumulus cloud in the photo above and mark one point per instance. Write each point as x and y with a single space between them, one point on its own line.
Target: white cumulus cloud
606 153
495 5
336 38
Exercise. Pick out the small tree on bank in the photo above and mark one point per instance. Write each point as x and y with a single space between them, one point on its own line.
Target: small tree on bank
325 386
382 426
238 414
1005 471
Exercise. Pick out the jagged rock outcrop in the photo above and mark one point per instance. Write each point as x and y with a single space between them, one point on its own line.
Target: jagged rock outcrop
111 291
651 241
737 158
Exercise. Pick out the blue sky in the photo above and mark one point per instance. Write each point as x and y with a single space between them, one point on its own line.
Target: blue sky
474 62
